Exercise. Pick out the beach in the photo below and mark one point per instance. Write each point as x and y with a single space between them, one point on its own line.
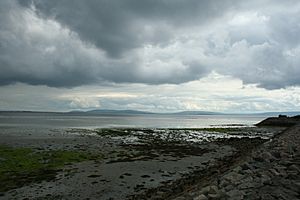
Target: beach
138 163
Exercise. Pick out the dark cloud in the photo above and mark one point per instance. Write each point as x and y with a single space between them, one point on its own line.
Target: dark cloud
67 43
118 26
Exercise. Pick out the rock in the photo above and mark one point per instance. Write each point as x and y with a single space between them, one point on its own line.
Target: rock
266 197
229 187
276 154
266 156
205 190
258 158
266 180
274 172
238 169
223 183
233 177
235 194
213 190
294 168
201 197
246 166
214 196
247 183
248 171
180 198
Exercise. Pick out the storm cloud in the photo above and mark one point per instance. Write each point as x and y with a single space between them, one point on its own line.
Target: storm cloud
68 43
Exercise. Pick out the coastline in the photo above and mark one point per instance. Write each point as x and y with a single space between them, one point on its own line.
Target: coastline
154 167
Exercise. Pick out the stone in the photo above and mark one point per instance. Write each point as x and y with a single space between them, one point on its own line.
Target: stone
233 177
223 183
267 157
229 187
294 168
266 197
248 171
246 166
213 189
238 169
201 197
246 185
214 196
258 158
276 154
266 180
235 194
274 172
205 190
180 198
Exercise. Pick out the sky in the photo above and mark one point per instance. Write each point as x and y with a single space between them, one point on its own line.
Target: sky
151 55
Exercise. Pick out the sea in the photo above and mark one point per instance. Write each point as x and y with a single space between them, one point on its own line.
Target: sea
56 121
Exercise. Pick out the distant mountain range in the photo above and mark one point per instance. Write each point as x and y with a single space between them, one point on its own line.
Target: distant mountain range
113 112
137 112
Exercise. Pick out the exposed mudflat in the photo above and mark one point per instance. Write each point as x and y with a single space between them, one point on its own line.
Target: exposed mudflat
136 163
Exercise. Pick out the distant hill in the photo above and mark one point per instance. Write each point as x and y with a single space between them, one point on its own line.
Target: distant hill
118 112
197 113
137 112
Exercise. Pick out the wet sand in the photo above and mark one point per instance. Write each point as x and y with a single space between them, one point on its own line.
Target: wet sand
137 164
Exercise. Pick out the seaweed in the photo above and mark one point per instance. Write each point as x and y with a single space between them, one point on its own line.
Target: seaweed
20 166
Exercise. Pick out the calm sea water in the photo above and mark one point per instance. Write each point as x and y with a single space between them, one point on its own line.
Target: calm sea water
49 120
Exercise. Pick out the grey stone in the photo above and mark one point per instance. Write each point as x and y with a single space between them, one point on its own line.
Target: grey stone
246 185
229 187
267 156
214 196
235 194
276 154
246 166
266 180
233 177
274 172
223 183
201 197
205 190
266 197
180 198
294 168
213 189
238 169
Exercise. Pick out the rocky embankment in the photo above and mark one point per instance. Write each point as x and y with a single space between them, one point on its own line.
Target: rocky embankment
281 120
270 172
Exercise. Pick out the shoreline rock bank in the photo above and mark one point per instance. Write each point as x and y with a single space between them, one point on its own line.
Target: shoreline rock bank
271 171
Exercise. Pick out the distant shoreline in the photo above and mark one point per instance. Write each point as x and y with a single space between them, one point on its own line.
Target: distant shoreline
137 112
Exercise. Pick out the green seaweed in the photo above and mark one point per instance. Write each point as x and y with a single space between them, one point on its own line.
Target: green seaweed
19 166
